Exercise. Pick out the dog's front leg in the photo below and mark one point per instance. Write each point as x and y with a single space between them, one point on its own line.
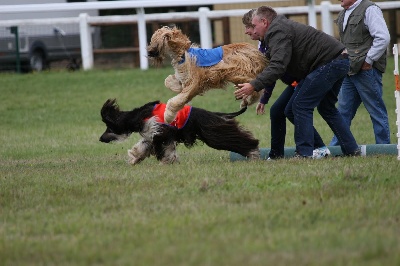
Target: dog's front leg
173 106
177 103
139 151
172 83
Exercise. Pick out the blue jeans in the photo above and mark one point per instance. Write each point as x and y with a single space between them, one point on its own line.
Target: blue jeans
320 89
278 125
365 87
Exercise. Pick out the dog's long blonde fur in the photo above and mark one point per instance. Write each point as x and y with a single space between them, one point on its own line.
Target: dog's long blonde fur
241 63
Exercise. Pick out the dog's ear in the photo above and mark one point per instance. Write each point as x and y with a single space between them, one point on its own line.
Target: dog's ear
110 110
145 110
177 41
167 35
153 103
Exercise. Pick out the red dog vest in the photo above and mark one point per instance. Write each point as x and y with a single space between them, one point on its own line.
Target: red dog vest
181 117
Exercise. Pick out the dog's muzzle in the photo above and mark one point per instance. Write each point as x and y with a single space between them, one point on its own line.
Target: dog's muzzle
110 137
107 138
153 53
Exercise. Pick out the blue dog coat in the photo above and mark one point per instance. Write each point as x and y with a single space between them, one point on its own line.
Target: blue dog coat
205 57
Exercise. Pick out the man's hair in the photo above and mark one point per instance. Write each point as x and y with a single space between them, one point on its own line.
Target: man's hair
266 12
247 17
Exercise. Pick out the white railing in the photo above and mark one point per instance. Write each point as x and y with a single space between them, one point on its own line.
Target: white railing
203 15
54 7
397 94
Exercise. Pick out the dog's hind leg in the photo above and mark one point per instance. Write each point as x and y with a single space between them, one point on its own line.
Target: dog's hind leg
139 151
251 99
169 154
172 83
164 144
254 154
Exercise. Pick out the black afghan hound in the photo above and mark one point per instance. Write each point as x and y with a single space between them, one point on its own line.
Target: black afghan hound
218 130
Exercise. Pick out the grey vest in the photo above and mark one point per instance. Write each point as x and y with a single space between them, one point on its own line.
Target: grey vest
357 39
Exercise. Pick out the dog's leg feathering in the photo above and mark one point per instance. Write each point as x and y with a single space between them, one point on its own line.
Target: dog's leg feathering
254 154
252 99
139 151
172 83
170 155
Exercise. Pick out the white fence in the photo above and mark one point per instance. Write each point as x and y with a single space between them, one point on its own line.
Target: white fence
203 15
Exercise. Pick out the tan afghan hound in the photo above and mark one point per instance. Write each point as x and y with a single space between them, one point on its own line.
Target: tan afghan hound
199 70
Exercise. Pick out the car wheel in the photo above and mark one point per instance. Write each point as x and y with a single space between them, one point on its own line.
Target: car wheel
37 62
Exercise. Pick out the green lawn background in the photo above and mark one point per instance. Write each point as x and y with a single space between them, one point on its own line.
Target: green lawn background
68 199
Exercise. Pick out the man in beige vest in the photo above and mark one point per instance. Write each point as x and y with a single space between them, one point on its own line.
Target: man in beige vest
363 31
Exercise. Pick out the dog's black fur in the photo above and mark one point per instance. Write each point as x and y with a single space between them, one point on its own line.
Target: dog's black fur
217 130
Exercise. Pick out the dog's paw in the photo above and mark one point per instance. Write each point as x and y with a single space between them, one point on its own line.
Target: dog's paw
254 155
253 98
132 159
243 103
173 84
170 160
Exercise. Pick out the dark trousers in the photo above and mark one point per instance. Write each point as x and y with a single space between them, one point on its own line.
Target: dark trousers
278 125
320 89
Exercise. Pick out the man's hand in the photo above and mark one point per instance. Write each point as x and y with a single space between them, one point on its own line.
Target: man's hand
366 66
260 109
243 90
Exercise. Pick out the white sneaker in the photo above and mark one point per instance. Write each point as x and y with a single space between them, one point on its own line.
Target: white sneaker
321 152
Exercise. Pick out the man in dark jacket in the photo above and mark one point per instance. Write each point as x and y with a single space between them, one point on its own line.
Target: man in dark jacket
277 110
313 57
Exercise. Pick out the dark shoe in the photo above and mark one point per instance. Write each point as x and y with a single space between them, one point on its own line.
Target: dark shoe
273 158
355 153
299 156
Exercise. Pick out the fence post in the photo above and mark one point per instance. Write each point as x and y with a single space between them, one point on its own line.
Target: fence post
312 15
14 30
144 62
397 94
205 28
86 42
326 18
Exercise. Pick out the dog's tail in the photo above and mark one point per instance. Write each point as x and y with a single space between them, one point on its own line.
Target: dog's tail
232 115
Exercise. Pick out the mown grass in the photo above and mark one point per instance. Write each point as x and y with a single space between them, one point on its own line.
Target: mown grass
67 199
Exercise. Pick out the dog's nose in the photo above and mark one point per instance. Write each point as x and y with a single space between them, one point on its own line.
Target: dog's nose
105 140
153 53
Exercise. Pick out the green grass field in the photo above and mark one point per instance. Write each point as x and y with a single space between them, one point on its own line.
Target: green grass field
68 199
